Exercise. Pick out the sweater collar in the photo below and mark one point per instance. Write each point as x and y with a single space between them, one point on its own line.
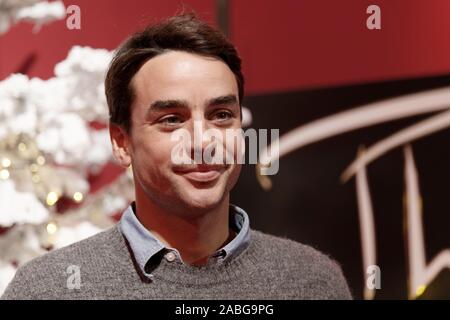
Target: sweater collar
145 245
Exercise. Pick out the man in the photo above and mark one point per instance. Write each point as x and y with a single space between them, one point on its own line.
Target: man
181 238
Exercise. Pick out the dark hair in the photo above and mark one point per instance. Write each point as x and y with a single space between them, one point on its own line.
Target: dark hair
183 32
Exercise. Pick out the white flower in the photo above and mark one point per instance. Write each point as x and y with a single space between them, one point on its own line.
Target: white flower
21 244
48 96
18 245
19 207
112 204
64 181
38 11
14 86
100 151
7 272
68 235
42 12
83 71
17 114
65 137
84 59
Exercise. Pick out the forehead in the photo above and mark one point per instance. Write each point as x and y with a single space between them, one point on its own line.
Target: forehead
182 75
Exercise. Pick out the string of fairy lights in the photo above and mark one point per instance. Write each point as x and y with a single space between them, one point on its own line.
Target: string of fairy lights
48 152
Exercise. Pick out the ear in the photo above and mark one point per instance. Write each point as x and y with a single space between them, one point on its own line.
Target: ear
120 144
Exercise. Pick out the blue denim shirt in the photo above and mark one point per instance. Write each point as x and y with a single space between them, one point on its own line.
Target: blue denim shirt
145 245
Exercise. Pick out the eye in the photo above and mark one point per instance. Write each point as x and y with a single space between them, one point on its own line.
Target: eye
171 120
223 115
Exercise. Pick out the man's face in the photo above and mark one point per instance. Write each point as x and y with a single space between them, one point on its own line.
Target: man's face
182 91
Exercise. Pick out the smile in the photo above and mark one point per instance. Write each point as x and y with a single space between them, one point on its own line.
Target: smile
202 174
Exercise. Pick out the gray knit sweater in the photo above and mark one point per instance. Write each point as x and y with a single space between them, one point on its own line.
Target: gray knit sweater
269 268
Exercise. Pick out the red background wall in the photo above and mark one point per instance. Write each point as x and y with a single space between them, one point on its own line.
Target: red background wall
286 45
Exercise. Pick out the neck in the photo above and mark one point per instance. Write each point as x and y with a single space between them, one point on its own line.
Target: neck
195 237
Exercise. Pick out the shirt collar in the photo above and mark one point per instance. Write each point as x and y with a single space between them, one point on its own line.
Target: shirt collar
145 245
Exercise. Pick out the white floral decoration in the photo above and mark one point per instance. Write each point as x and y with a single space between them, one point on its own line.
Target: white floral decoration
48 151
34 11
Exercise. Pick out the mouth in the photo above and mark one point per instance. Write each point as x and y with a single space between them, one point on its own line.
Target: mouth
201 173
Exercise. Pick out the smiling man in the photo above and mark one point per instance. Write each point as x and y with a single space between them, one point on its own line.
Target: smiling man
181 238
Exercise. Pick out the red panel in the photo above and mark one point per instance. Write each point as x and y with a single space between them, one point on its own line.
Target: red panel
307 43
104 24
286 45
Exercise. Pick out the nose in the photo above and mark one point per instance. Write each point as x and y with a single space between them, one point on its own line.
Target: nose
204 141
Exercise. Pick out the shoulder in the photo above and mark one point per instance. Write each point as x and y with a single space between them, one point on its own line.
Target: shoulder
303 263
275 245
45 276
93 248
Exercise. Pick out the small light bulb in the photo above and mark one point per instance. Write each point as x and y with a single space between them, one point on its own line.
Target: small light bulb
40 160
4 174
6 162
22 147
52 198
52 228
78 196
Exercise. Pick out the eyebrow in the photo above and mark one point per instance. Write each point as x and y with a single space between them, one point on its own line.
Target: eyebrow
223 100
161 105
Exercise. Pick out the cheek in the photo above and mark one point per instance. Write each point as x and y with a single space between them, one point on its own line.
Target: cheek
234 176
236 171
152 155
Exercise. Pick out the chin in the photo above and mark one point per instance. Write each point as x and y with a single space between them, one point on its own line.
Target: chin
204 200
202 197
